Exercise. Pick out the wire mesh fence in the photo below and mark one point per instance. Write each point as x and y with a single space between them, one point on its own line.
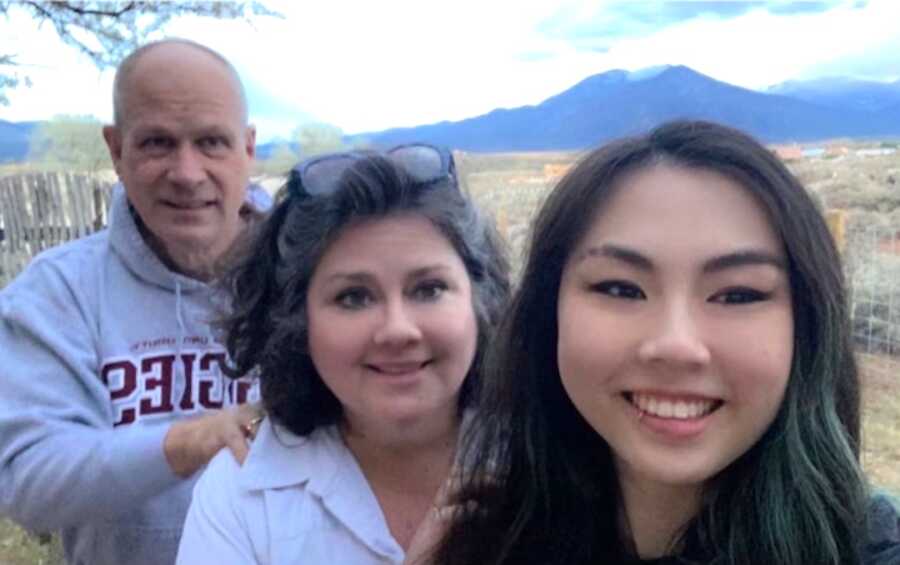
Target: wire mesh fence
872 266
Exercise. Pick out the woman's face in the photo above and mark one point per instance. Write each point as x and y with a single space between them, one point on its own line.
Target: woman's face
392 329
675 325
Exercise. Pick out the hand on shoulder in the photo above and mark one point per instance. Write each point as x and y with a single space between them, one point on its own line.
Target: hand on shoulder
190 444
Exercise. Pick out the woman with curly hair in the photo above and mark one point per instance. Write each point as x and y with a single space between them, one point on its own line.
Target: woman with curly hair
363 305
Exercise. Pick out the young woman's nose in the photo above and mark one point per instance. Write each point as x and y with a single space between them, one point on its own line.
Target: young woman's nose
397 326
676 338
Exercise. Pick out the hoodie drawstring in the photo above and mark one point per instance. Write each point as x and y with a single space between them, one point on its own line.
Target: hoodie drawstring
179 317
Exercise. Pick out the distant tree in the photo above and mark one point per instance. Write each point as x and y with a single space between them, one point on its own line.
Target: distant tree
316 138
69 143
280 161
107 31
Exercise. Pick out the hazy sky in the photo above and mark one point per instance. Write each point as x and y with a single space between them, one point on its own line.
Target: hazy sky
364 65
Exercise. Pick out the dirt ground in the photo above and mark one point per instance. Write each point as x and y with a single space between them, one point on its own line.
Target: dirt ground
881 421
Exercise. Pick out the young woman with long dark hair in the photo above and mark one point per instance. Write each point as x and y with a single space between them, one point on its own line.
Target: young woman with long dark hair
674 382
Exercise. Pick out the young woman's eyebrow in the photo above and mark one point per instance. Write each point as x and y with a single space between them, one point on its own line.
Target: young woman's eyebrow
619 253
744 258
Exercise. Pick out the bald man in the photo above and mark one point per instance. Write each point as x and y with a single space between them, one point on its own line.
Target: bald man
111 393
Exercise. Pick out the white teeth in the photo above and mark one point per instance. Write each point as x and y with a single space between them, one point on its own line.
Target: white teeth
665 409
676 409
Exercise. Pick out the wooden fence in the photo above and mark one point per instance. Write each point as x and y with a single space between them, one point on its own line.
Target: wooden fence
40 210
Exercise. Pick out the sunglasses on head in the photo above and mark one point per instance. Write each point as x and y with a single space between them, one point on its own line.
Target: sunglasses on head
424 163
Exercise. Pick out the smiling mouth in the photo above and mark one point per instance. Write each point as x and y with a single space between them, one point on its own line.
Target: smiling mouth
672 408
398 369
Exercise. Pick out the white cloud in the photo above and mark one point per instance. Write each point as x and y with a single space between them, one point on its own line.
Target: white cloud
759 49
365 65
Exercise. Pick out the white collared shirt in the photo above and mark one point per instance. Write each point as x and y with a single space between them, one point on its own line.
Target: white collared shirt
297 501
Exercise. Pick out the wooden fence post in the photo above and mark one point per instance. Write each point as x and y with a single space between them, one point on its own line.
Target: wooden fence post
837 225
99 206
40 210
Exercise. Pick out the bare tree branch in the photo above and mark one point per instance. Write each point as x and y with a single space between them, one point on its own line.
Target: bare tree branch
106 31
74 7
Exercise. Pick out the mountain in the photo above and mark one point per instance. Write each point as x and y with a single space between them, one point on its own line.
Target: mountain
14 140
842 92
618 103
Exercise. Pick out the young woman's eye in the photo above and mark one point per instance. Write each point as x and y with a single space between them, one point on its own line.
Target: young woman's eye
740 295
619 289
354 298
429 290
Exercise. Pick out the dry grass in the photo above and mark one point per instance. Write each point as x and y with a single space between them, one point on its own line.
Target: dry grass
19 548
863 184
881 421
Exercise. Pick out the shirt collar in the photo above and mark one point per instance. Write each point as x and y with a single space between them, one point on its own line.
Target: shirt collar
273 460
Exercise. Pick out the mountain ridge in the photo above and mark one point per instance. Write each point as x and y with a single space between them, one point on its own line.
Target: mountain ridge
618 102
607 105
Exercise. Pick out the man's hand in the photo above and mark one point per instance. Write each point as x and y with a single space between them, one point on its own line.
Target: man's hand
190 444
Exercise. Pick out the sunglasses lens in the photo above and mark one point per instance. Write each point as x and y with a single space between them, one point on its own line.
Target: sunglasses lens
324 175
423 163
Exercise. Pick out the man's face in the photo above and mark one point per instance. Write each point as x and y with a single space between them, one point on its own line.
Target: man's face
183 153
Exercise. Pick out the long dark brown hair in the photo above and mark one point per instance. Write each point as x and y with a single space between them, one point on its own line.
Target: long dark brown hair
543 480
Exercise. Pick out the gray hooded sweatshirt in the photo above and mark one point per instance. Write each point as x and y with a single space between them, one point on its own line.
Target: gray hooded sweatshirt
102 348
